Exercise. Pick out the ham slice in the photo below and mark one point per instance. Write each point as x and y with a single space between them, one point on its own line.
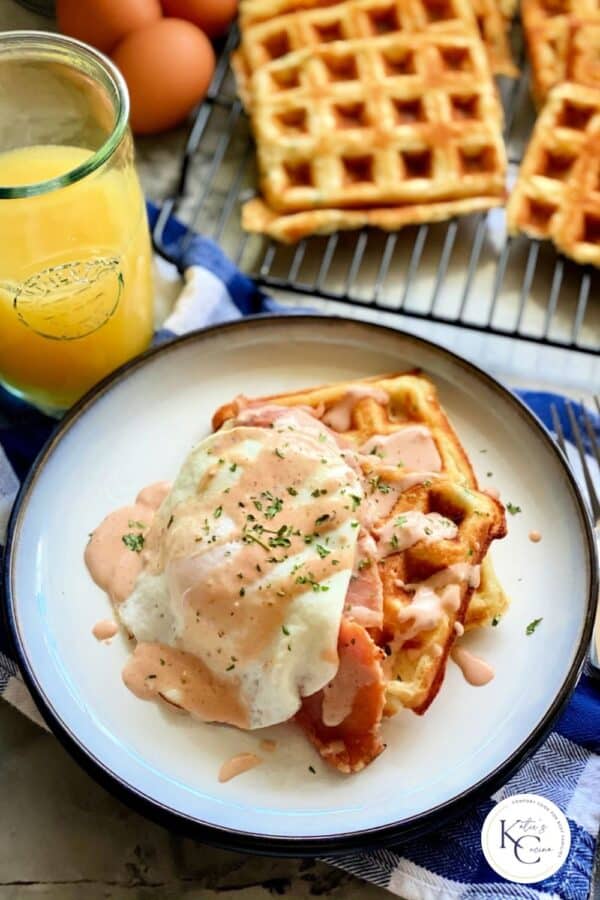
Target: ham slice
354 700
364 600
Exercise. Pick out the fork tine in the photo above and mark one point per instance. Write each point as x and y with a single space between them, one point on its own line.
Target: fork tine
591 433
558 428
594 502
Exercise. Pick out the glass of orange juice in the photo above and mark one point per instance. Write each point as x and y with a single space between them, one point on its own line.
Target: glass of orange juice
75 258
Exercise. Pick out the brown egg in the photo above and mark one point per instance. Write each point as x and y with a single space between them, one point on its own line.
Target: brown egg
213 16
168 67
103 23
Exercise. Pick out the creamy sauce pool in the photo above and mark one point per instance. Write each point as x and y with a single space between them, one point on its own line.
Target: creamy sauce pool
112 565
105 630
237 765
475 670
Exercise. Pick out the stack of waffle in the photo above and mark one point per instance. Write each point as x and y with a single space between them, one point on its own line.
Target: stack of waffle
414 663
557 194
372 112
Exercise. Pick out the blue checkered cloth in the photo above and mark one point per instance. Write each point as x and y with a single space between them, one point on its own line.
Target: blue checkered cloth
447 864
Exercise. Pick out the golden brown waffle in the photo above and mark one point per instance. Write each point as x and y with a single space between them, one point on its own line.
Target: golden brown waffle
583 65
415 667
271 28
563 42
379 131
557 194
413 400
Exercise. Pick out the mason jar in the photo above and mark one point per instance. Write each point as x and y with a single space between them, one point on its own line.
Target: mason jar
76 297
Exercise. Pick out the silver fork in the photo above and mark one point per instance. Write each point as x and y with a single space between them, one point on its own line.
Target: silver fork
592 489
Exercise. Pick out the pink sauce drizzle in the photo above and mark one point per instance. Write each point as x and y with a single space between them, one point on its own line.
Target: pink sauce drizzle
475 670
408 528
105 630
339 416
113 567
237 765
412 447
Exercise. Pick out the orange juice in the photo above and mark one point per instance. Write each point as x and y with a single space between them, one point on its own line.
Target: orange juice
75 274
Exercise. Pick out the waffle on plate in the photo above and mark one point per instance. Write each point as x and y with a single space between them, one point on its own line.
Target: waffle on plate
388 628
557 194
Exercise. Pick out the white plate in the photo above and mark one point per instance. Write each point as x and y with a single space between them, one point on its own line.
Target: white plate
137 428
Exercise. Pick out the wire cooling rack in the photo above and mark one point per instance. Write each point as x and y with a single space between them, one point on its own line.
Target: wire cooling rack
466 272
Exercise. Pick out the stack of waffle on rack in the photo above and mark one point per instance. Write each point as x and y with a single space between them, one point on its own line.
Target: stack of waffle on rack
557 194
388 612
386 113
372 112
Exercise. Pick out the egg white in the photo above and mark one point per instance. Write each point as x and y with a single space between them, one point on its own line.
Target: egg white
296 662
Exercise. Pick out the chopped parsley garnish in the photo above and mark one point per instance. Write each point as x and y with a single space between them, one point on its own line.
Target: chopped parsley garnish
242 592
233 467
279 453
495 621
275 507
318 492
218 512
170 522
356 501
401 521
376 452
489 474
363 564
310 579
427 483
513 510
134 542
428 531
394 541
162 662
322 519
322 437
230 667
292 491
532 626
312 769
258 505
378 485
285 630
322 551
354 524
134 524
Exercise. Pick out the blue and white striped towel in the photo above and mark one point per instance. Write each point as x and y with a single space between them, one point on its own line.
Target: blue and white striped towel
447 864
